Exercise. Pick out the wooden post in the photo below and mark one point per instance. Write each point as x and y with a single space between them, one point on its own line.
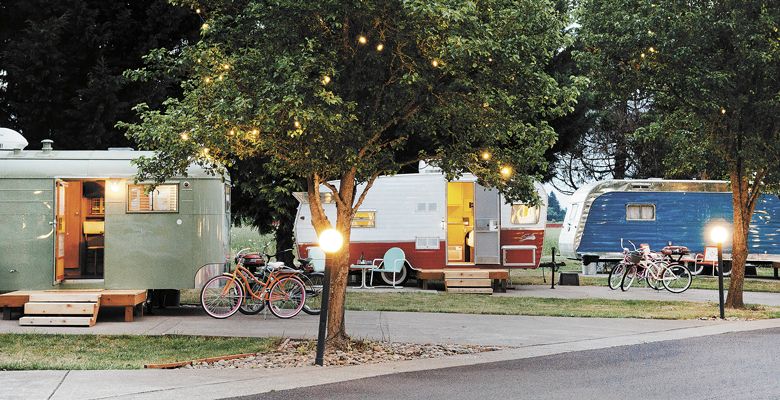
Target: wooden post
129 313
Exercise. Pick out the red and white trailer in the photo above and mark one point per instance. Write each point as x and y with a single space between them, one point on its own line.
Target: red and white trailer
437 223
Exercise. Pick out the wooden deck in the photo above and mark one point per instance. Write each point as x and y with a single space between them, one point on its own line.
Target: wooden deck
499 277
129 299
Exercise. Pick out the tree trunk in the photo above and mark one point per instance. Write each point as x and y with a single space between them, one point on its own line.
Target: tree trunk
284 237
743 212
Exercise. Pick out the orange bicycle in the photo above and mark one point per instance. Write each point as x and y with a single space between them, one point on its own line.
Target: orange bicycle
280 288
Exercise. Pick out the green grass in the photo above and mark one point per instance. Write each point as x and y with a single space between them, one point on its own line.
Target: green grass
37 351
242 237
481 304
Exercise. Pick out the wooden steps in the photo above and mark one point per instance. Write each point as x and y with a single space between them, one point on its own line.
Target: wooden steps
61 309
468 281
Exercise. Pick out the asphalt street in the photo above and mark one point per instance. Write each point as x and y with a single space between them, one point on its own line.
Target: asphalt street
741 365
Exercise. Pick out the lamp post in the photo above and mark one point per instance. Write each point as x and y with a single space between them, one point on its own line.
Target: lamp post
330 241
718 234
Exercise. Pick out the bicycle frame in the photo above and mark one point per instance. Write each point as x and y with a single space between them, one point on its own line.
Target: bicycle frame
240 274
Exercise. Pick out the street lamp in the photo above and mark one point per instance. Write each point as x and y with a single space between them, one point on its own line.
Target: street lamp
719 234
330 241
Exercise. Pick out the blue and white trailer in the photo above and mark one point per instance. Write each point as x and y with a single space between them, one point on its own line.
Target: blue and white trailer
657 212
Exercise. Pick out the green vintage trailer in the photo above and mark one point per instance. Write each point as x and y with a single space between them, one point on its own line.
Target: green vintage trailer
77 219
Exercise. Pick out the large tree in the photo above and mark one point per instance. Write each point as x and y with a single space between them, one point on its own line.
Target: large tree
712 69
339 92
61 66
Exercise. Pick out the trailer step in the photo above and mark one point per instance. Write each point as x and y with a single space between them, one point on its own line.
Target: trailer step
468 281
62 297
56 321
57 308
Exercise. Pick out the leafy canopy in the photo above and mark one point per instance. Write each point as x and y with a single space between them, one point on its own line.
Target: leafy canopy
332 87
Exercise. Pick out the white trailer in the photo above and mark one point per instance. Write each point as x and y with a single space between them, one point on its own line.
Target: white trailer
438 224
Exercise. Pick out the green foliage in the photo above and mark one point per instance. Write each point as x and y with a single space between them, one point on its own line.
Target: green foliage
334 89
61 66
554 210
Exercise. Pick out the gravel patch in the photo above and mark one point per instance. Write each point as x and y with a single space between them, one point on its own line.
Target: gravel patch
299 353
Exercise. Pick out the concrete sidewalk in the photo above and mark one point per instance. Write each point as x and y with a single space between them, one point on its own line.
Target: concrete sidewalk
634 293
214 384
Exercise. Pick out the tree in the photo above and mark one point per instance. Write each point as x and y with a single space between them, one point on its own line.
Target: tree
61 66
713 71
338 93
554 210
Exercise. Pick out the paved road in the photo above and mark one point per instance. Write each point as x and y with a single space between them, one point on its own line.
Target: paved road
729 366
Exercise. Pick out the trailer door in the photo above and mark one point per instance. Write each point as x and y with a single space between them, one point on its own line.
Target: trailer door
59 231
487 226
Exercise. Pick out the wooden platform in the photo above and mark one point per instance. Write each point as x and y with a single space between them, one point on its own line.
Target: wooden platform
498 277
129 299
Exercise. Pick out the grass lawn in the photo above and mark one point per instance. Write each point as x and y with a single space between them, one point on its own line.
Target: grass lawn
481 304
36 351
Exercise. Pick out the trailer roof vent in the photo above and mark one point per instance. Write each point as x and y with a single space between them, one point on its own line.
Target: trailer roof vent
12 140
640 185
425 168
46 145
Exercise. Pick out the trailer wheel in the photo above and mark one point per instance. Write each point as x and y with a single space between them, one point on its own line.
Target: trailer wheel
400 277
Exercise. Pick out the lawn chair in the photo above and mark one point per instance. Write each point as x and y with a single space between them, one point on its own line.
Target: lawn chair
393 261
317 259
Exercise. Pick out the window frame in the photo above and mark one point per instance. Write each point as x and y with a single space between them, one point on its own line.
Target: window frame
655 215
373 220
178 199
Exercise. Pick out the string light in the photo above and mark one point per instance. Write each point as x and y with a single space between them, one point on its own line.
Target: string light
297 124
207 79
205 26
485 105
184 136
231 132
226 66
255 132
723 111
506 171
197 11
362 39
486 155
652 49
642 55
325 80
435 63
219 78
380 47
490 60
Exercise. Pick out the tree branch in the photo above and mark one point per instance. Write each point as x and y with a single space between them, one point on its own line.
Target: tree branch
362 197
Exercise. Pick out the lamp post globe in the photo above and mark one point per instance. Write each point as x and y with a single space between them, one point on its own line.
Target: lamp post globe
719 234
331 240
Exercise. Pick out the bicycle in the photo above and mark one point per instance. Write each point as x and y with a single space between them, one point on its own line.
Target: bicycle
280 288
640 264
654 268
311 279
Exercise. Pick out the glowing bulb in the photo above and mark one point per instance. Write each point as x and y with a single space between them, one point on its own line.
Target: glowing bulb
723 111
435 63
719 234
255 132
485 105
506 171
325 80
490 60
297 124
204 26
642 55
330 240
652 49
226 66
185 136
231 132
197 11
219 78
207 79
362 39
486 155
380 47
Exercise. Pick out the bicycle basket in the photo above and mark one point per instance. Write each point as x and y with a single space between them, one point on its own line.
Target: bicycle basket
635 256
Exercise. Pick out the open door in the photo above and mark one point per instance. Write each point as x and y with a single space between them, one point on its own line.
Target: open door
487 227
59 230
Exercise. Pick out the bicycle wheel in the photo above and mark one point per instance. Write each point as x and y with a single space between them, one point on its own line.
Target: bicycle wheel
252 305
654 274
616 276
677 278
628 278
221 296
313 283
287 297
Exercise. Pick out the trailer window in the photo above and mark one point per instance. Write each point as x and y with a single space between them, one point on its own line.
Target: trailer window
524 214
364 219
640 212
164 198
